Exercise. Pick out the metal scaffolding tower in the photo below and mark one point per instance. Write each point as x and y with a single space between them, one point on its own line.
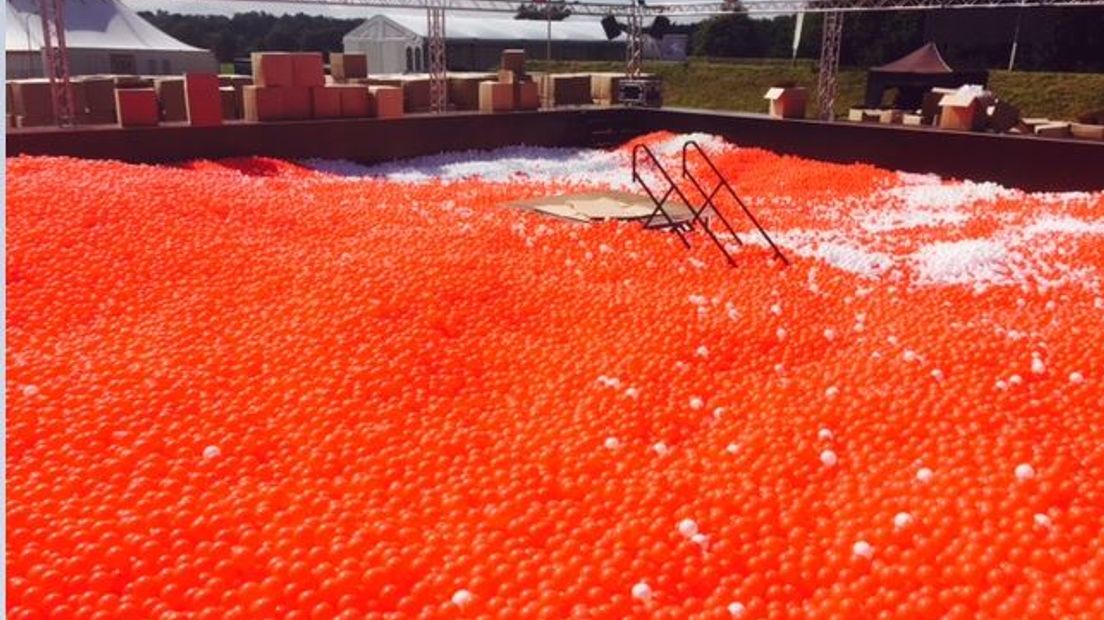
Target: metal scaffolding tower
827 85
634 44
438 77
55 60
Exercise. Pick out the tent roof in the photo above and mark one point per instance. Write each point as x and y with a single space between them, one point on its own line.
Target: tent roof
405 24
927 59
101 24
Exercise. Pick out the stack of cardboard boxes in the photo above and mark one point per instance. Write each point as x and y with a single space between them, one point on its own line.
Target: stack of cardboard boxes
564 88
513 90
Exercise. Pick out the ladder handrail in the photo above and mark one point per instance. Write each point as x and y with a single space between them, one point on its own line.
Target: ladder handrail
673 186
656 201
724 183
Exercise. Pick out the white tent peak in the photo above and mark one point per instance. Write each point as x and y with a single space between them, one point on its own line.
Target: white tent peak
89 24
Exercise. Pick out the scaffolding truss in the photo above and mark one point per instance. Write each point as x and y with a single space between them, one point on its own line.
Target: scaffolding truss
827 77
55 60
438 77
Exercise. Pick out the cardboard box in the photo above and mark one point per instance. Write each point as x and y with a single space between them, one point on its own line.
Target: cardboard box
297 102
513 60
463 89
137 107
326 102
170 92
566 88
273 69
230 110
1002 116
604 87
929 106
1029 124
385 101
307 69
262 103
354 100
507 76
495 97
1086 131
855 114
34 102
1053 130
348 66
964 109
132 81
890 117
787 102
527 96
204 103
912 120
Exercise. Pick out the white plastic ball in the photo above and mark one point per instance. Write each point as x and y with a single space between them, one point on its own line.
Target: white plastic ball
212 452
831 392
825 434
863 549
642 591
736 610
732 448
702 351
1043 521
632 392
30 390
688 527
1037 365
1076 378
901 520
829 458
461 598
696 402
830 334
661 448
612 443
924 474
1025 471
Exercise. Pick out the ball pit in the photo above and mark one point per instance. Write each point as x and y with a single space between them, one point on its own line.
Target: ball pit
266 389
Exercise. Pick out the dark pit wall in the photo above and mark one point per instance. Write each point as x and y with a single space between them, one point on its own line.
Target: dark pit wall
1023 162
361 140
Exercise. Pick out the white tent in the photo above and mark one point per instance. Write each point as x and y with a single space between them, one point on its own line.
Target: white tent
395 41
103 36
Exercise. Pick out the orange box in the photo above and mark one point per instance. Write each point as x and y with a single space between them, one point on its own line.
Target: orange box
229 103
307 69
348 66
297 102
496 97
262 103
137 107
787 102
326 102
385 101
202 99
170 91
273 69
527 96
513 60
354 100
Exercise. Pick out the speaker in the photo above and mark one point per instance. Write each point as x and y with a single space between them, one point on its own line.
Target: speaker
612 28
659 27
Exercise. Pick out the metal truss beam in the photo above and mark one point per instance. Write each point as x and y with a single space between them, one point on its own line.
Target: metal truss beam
708 7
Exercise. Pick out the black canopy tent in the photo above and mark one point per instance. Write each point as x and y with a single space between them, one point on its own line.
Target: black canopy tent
915 74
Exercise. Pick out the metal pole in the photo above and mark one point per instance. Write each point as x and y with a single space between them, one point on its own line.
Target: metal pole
547 77
1015 41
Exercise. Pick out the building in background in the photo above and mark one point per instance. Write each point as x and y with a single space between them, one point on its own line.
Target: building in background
104 36
395 42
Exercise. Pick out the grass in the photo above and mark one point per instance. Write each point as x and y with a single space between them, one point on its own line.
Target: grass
731 86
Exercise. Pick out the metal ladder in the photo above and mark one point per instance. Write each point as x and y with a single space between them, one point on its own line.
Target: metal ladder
701 214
